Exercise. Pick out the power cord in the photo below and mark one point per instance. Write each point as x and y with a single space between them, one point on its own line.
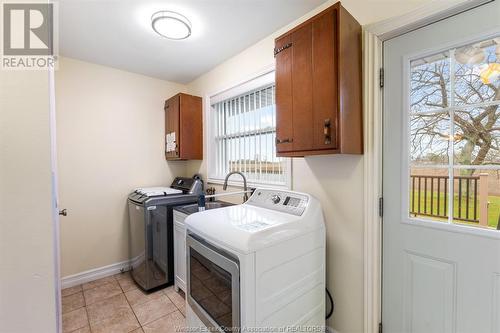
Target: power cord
332 305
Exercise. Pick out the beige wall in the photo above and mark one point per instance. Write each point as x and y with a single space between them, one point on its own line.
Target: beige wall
27 256
337 181
110 129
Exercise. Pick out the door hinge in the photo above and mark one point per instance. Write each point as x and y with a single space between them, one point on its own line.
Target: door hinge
379 327
381 77
281 49
381 207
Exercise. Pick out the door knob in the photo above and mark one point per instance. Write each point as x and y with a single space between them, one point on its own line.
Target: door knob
63 212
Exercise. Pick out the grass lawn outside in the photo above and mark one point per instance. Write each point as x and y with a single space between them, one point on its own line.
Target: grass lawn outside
493 207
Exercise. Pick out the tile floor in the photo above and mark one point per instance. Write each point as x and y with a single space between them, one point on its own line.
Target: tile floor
116 305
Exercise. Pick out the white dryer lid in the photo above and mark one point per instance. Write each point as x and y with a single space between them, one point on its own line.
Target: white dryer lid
247 228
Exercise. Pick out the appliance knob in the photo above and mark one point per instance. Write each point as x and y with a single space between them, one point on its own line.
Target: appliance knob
275 199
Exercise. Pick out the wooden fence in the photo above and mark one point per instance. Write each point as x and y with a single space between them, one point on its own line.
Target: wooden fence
430 197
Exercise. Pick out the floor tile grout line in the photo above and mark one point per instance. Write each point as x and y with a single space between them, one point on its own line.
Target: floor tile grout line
151 300
79 291
131 308
88 319
76 329
100 285
165 315
163 292
174 302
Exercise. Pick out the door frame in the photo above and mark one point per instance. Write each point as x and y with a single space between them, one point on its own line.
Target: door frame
373 37
55 200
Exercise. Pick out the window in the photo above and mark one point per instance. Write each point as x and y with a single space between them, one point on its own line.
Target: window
243 133
454 135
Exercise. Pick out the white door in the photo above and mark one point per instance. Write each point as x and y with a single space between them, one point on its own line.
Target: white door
441 246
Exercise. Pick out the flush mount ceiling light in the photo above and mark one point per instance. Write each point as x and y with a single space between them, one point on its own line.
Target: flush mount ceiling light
471 54
171 25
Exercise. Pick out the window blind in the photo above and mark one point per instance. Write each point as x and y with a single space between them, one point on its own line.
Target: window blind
244 136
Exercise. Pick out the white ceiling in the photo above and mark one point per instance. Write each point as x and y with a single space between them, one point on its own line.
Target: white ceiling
118 33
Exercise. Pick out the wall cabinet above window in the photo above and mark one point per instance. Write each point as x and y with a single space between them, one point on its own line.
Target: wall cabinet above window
318 86
183 128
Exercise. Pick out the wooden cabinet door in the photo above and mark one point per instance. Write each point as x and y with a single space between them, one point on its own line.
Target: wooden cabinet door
191 131
302 88
284 120
318 86
172 123
324 73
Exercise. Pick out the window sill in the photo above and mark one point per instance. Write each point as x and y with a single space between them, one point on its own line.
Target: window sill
239 184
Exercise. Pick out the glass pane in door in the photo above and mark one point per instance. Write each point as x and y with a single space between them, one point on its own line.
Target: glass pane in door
429 188
477 72
476 198
430 83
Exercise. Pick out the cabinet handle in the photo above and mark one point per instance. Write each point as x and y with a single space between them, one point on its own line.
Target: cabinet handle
327 131
282 48
287 140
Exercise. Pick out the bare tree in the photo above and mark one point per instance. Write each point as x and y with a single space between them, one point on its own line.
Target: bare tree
476 129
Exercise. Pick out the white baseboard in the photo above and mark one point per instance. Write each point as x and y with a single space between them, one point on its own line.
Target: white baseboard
94 274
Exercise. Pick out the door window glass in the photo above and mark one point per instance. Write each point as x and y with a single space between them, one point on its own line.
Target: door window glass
454 135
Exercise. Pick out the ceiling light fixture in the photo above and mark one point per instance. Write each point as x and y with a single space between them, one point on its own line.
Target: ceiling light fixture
171 25
470 55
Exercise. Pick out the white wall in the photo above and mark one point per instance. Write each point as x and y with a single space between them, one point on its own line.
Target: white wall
27 256
110 133
337 181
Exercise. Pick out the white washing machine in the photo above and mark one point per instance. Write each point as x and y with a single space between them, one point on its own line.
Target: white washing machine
259 266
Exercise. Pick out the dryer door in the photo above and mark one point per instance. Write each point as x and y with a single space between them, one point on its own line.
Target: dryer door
213 285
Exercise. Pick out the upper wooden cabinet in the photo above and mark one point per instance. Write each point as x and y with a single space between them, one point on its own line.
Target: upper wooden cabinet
183 128
318 86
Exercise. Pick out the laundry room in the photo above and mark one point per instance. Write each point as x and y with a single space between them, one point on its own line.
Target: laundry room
258 166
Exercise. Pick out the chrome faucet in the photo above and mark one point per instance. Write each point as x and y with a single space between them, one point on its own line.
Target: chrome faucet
245 188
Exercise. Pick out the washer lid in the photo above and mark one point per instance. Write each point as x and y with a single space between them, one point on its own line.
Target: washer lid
156 191
247 228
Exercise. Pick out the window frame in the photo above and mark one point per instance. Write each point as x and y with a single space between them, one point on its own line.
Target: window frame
252 82
451 166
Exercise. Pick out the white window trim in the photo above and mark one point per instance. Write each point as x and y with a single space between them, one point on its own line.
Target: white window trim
254 81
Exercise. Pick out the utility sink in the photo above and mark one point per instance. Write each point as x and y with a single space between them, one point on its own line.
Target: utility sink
193 208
